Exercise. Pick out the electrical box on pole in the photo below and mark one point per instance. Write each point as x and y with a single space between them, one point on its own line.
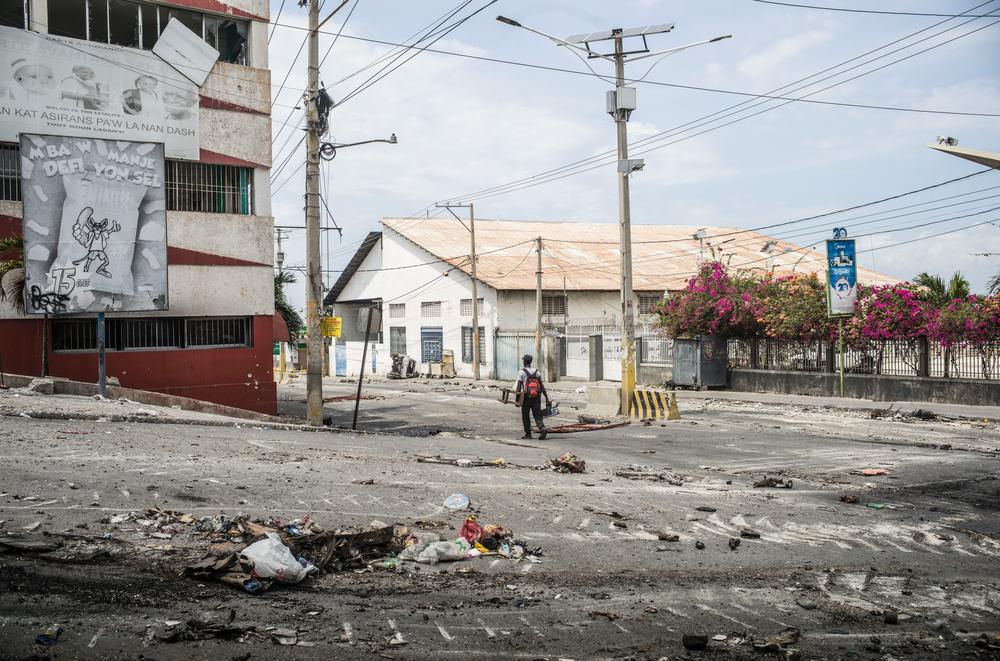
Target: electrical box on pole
621 102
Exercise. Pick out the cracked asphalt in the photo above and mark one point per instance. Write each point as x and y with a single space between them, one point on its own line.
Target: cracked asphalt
922 541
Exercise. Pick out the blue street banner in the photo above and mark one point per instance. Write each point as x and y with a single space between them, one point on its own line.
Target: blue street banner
842 270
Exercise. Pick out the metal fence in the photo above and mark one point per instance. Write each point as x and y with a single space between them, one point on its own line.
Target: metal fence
887 357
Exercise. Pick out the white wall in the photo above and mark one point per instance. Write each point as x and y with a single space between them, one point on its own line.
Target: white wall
412 286
517 309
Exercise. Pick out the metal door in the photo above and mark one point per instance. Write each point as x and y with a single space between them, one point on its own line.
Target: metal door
508 348
431 344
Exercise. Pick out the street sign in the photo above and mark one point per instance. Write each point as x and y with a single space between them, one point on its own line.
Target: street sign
842 277
331 326
276 349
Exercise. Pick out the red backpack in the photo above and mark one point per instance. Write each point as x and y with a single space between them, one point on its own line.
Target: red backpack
532 385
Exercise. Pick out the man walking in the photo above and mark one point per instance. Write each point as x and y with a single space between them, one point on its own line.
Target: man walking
529 384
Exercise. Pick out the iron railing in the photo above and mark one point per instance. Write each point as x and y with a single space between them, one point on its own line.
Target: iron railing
144 334
209 188
10 172
886 357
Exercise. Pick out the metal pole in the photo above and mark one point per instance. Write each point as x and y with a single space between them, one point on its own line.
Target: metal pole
475 299
45 345
624 220
314 275
102 381
840 341
281 340
538 303
361 376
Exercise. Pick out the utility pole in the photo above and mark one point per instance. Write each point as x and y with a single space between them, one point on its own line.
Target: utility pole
476 374
620 104
314 275
538 303
623 108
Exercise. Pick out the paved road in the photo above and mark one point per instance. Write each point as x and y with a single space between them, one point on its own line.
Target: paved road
599 591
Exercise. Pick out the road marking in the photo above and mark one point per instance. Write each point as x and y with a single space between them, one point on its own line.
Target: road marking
751 612
489 632
676 612
528 624
397 635
583 524
348 631
709 609
444 632
93 641
624 630
526 568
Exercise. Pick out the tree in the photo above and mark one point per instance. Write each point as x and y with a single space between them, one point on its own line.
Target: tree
291 316
993 286
938 293
12 271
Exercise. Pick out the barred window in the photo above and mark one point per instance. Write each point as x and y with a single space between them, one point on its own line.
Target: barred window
465 307
14 13
10 172
133 24
220 332
430 309
397 339
397 310
467 345
209 188
649 302
554 304
147 333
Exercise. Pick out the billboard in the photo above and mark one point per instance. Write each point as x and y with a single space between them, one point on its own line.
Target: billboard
59 86
842 276
95 225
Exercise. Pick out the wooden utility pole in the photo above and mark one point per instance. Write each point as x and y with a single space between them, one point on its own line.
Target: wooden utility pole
538 303
314 275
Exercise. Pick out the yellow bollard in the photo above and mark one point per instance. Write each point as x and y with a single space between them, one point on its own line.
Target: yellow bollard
674 412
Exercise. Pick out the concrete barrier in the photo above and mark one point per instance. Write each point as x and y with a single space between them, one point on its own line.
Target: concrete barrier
603 401
652 404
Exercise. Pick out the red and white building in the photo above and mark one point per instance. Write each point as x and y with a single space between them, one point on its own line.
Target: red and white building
215 341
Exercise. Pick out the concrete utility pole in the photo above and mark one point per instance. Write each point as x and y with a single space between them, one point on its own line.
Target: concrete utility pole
622 110
620 104
476 375
538 303
314 275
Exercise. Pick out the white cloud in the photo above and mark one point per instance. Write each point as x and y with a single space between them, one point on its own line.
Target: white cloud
765 62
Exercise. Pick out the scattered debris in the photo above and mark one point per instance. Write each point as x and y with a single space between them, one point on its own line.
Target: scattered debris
457 501
871 471
32 527
693 641
776 643
848 498
51 634
638 472
28 545
499 462
41 387
608 614
585 426
270 558
705 508
568 463
747 533
283 636
734 542
437 551
773 483
877 506
369 481
890 616
668 536
203 629
806 604
699 544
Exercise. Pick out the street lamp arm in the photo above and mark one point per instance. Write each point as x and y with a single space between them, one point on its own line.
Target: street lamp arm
677 49
328 150
557 40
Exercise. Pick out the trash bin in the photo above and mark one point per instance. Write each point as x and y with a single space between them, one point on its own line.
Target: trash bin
701 361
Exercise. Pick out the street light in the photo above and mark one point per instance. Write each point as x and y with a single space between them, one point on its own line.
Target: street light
328 150
620 105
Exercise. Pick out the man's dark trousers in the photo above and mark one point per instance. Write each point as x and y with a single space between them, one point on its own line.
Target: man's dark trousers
531 406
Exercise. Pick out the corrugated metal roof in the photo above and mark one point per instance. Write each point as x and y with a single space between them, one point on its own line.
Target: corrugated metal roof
585 256
352 267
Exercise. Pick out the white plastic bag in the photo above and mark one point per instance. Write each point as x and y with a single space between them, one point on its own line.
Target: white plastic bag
272 559
436 552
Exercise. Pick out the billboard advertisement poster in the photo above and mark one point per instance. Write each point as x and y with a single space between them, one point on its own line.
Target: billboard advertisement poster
842 273
59 86
95 225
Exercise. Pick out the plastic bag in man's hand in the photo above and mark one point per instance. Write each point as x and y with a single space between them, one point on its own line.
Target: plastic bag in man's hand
272 559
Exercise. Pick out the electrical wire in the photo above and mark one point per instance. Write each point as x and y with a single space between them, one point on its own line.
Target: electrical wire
274 24
867 11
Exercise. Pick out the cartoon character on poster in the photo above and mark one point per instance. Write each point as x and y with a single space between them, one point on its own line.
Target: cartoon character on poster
94 225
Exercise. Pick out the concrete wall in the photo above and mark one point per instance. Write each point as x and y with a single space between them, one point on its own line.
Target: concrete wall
866 386
412 286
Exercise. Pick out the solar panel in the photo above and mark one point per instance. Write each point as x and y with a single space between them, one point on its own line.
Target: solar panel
628 32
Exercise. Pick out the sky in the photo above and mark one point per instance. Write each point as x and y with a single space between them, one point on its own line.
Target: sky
466 125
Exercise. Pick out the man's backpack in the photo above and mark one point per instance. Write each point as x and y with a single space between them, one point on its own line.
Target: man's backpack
532 385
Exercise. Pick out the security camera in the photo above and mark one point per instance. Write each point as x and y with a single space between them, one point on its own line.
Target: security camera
947 140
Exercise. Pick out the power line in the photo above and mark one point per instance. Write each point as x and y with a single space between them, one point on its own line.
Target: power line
577 165
869 11
274 24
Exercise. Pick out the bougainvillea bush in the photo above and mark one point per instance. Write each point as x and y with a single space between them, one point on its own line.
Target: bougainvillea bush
713 303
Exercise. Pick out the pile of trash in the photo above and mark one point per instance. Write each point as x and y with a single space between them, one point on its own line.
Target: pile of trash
638 472
564 463
474 541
